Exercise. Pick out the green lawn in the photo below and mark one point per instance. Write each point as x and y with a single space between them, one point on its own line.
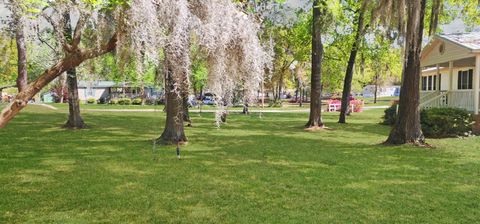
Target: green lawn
381 101
252 170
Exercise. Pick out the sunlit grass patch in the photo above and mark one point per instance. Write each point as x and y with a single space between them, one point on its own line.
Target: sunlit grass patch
251 170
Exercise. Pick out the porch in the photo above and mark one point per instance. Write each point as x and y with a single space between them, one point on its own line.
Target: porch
450 98
451 72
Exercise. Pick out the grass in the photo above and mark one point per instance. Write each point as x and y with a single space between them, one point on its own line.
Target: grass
252 170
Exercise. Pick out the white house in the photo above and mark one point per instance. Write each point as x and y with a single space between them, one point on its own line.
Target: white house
451 72
382 91
110 89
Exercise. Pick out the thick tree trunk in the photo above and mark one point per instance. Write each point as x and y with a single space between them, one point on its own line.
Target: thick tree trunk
347 84
62 82
72 60
22 55
75 120
407 128
315 120
186 115
174 131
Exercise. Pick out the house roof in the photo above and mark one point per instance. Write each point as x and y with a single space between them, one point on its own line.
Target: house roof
467 40
460 46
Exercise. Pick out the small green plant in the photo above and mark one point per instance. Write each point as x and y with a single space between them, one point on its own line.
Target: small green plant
124 101
91 100
390 115
277 103
102 101
114 101
137 101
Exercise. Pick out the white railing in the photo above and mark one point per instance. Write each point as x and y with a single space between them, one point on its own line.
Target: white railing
456 98
434 99
461 99
428 95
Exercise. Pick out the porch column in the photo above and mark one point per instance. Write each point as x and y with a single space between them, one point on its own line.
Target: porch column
438 79
450 75
476 84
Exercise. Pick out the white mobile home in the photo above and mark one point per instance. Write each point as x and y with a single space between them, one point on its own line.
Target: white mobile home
110 89
451 72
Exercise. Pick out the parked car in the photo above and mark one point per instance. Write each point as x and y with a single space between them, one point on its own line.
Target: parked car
208 100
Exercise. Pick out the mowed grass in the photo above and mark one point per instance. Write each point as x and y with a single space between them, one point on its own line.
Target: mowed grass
252 170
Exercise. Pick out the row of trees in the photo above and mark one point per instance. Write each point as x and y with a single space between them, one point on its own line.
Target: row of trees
229 46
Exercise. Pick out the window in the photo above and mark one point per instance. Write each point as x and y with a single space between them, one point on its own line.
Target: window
465 79
434 82
424 83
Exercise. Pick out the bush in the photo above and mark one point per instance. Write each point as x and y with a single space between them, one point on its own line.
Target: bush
137 101
446 122
124 101
91 100
114 101
357 105
438 122
277 103
390 115
102 101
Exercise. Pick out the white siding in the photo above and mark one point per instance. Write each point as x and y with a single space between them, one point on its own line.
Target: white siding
86 93
452 52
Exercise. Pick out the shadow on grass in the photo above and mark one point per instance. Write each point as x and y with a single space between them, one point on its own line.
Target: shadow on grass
252 169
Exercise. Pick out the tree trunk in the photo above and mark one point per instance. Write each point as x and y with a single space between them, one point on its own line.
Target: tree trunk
280 87
186 115
315 120
143 95
75 120
347 84
21 53
407 128
62 82
362 66
173 131
375 94
301 97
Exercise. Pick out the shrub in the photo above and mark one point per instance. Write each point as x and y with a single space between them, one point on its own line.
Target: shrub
91 100
114 101
390 115
124 101
357 105
438 122
137 101
102 101
277 103
446 122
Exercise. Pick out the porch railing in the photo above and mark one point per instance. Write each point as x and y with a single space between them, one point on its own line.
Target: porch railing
434 99
457 98
461 99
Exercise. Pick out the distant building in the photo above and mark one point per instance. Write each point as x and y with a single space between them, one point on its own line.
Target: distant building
382 91
110 89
